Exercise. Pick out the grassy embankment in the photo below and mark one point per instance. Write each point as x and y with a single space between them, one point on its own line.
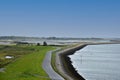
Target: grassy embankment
53 63
66 61
27 64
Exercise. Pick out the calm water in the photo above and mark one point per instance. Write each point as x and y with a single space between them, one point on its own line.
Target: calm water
98 62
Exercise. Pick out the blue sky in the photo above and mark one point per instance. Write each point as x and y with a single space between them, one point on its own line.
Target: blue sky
60 18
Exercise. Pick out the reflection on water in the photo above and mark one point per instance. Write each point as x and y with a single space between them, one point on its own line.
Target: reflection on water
98 62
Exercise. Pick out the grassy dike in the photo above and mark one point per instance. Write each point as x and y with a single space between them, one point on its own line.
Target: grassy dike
67 70
53 63
27 67
53 59
67 64
63 65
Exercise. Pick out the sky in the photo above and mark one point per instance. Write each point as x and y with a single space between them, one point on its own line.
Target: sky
60 18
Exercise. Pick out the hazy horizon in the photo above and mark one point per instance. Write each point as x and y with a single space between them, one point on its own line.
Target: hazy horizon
60 18
61 37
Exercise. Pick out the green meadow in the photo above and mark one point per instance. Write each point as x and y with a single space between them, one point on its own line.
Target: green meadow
27 62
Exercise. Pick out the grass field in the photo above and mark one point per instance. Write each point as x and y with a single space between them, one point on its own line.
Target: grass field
15 51
27 67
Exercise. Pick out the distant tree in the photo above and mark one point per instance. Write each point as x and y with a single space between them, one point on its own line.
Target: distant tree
38 44
44 43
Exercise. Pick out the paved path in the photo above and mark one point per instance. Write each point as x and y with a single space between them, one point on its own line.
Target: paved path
48 68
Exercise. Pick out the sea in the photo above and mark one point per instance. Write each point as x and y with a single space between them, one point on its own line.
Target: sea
98 62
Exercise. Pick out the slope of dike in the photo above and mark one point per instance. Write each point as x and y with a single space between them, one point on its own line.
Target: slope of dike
64 64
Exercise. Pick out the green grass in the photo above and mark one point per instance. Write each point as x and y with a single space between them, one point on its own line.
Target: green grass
53 63
27 67
15 51
54 56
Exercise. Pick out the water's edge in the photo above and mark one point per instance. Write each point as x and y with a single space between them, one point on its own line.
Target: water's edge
98 62
66 61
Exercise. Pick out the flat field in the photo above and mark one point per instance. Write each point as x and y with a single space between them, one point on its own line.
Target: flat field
26 64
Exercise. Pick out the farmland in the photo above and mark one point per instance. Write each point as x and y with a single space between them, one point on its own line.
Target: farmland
26 63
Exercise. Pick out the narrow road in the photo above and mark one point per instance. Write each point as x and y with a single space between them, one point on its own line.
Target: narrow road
48 68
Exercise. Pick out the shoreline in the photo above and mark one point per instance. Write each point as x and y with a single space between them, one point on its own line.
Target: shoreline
64 63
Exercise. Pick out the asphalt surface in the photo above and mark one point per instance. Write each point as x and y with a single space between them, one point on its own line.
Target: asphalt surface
48 68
